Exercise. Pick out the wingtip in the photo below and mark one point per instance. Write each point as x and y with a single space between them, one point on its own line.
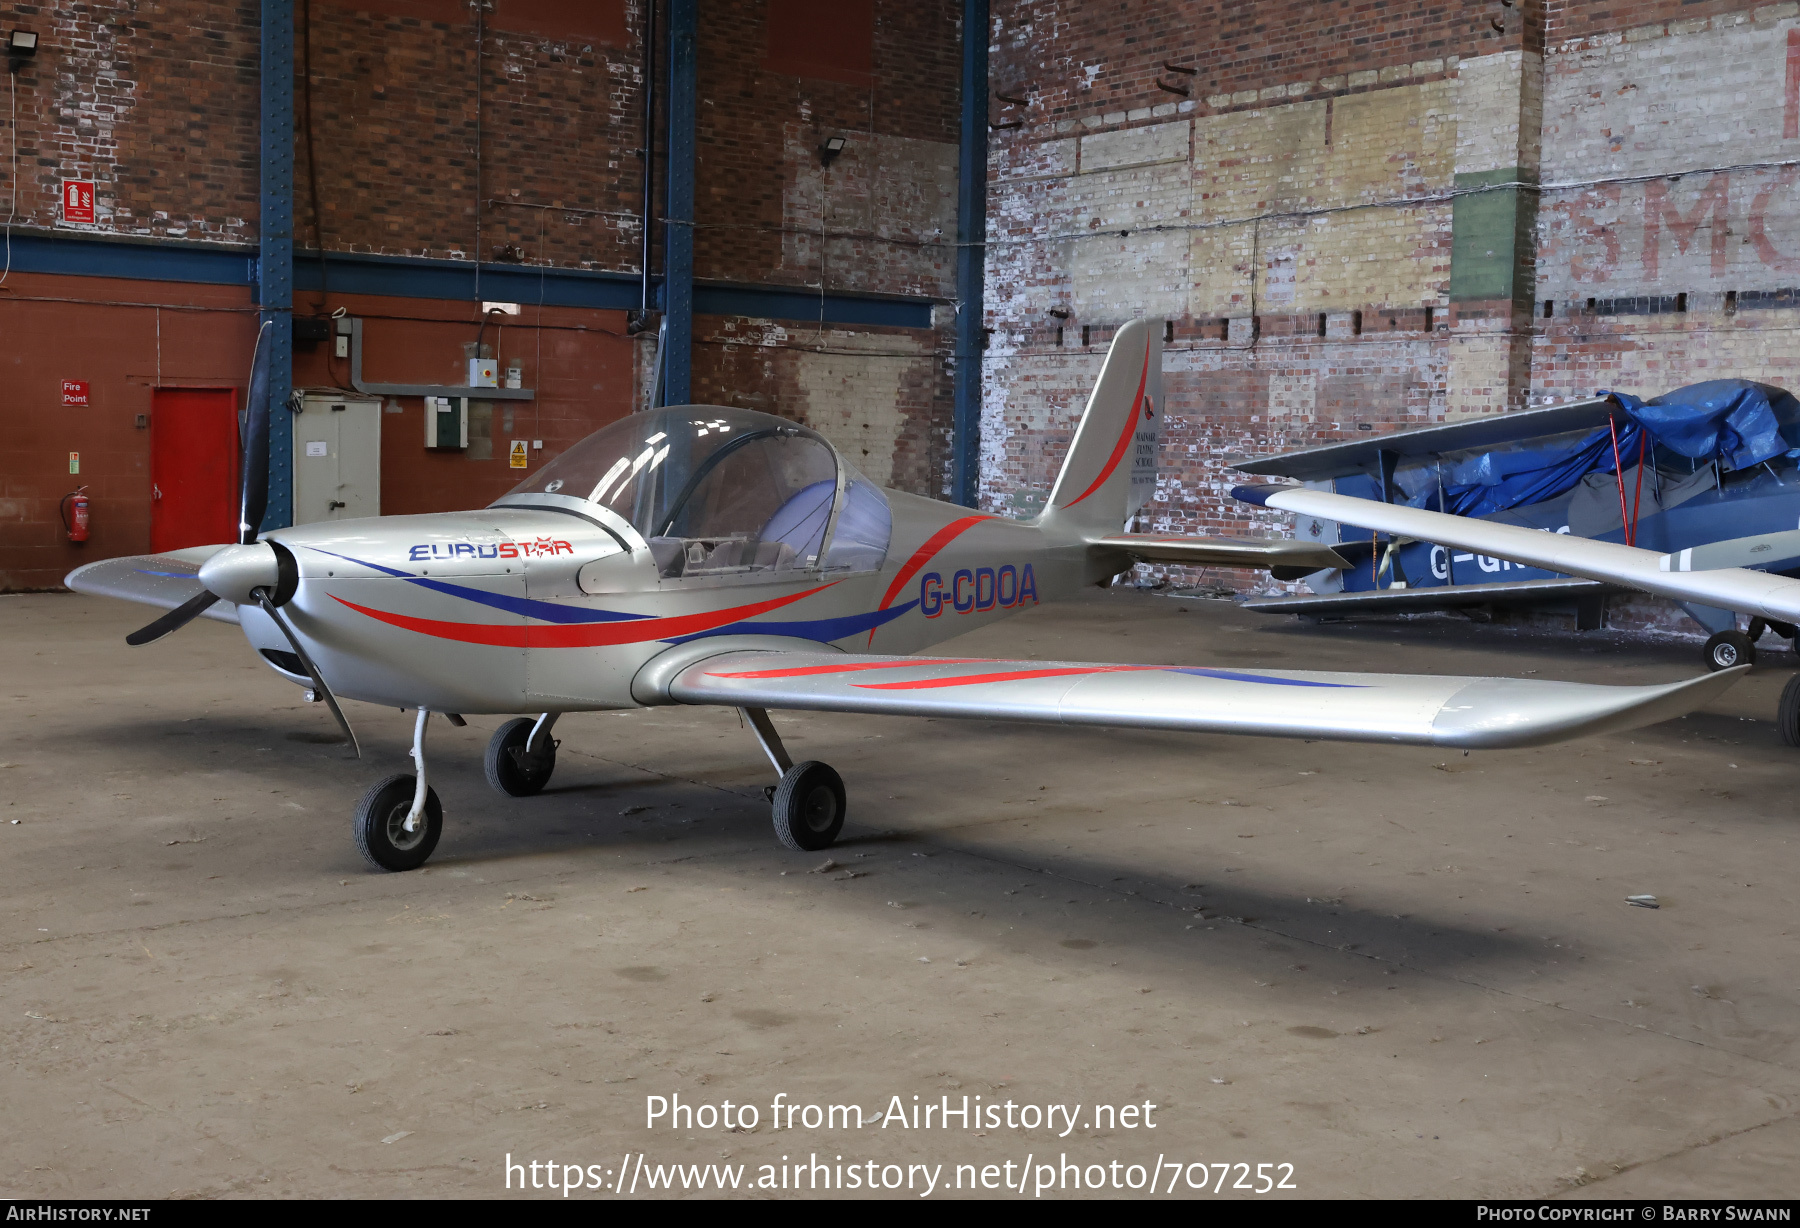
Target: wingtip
1257 493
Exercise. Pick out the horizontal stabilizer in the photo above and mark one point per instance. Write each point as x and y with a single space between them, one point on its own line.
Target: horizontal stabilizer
161 580
1437 597
1224 551
1728 588
1422 710
1760 550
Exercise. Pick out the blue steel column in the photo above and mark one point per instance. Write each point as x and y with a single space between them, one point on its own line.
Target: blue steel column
275 267
678 259
971 254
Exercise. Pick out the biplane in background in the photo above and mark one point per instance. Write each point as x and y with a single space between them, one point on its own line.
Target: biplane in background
1706 474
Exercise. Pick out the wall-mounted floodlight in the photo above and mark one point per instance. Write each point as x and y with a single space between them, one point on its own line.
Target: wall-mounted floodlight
829 151
1061 313
21 45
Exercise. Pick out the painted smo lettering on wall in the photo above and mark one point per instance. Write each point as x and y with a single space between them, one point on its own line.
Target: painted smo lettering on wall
1693 217
974 590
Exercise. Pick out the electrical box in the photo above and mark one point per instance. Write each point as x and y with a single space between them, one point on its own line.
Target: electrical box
484 373
337 457
446 422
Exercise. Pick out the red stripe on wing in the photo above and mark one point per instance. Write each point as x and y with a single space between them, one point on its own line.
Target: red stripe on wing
927 684
1118 452
805 671
578 635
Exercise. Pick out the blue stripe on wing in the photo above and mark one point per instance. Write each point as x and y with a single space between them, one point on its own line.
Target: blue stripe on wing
1233 675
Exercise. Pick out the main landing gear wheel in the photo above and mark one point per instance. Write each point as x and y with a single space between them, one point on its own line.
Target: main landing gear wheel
809 807
379 825
1729 648
509 769
1787 712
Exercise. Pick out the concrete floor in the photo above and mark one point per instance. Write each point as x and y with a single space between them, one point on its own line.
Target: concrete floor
1405 973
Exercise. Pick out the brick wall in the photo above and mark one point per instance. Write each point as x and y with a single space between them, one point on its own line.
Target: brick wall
1374 218
522 145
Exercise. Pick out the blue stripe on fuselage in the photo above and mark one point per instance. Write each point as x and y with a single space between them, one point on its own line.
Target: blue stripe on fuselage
819 630
543 611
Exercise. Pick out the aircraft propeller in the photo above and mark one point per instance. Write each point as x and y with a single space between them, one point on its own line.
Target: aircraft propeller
252 571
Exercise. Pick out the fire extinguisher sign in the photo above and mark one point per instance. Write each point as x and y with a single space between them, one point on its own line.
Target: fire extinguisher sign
74 392
78 200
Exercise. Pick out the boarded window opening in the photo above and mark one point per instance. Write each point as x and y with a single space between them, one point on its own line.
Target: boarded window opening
833 40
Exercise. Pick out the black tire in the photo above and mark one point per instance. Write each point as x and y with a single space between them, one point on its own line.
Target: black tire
1787 712
1786 631
378 825
809 807
1729 648
1755 630
508 770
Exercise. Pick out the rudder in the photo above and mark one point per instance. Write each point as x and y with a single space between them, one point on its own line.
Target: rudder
1110 471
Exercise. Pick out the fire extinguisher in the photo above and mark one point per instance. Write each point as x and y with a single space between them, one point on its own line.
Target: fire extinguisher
74 512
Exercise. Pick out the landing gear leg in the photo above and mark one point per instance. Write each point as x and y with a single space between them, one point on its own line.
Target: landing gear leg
808 804
398 821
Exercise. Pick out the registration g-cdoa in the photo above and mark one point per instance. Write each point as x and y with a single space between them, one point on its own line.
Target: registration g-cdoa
944 1113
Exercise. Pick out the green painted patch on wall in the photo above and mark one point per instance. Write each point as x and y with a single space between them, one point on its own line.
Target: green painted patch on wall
1493 237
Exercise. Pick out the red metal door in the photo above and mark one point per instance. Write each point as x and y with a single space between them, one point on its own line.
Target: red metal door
193 467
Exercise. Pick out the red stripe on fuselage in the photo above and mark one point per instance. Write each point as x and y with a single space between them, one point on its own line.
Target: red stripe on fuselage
923 555
1118 452
578 635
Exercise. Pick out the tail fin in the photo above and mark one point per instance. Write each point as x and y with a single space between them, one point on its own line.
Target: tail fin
1110 471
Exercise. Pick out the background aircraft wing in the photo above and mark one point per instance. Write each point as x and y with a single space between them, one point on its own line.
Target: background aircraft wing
1432 711
161 580
1731 588
1278 554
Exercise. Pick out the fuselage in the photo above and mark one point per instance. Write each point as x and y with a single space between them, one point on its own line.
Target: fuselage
519 609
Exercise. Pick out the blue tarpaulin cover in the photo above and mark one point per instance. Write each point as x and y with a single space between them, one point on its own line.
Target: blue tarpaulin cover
1734 421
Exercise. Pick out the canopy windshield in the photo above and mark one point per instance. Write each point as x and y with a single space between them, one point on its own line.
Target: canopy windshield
712 490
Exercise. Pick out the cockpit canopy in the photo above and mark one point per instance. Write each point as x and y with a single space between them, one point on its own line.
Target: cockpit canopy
715 491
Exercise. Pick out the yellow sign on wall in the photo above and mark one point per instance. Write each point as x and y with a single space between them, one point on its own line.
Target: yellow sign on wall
518 454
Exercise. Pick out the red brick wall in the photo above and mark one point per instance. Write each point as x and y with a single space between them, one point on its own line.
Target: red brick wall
1076 59
124 338
159 105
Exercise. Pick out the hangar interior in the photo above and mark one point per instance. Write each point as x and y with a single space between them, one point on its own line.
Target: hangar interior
470 233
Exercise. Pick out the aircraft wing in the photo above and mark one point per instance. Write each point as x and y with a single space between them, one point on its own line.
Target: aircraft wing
1289 556
1432 711
1666 575
161 580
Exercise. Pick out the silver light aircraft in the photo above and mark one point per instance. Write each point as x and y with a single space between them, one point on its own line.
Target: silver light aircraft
707 555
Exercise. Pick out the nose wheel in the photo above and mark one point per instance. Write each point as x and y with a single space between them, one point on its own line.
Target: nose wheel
388 834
